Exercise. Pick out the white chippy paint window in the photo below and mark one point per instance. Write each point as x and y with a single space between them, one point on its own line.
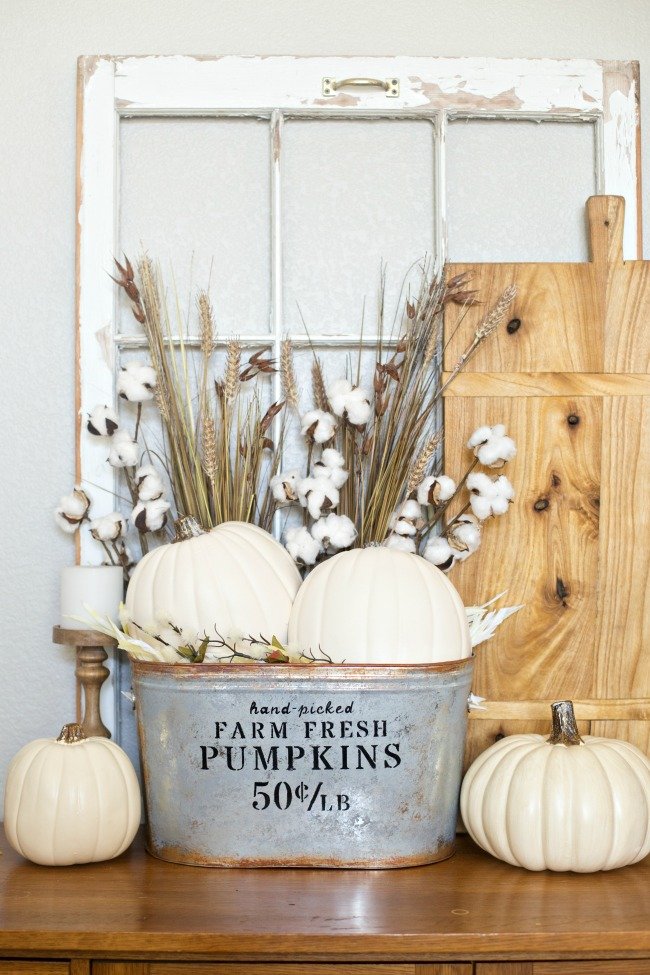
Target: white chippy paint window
244 177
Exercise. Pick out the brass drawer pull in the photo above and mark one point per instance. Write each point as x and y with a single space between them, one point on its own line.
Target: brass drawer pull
390 85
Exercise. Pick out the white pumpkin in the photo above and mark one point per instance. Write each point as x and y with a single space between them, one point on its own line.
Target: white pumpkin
71 800
381 606
235 579
560 803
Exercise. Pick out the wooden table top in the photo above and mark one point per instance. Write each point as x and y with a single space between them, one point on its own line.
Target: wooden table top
470 906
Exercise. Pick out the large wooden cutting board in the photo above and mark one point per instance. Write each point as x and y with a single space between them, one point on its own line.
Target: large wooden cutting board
568 373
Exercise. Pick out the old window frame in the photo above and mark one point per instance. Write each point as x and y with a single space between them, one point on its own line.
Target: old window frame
276 88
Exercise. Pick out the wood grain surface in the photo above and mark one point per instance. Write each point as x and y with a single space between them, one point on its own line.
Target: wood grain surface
266 968
468 907
569 375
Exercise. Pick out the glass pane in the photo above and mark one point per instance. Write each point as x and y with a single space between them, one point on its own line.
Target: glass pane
195 194
516 191
356 193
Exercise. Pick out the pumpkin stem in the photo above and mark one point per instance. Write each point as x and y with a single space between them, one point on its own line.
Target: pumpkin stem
71 733
565 729
187 527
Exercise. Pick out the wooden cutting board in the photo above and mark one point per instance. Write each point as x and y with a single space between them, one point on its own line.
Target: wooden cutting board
568 373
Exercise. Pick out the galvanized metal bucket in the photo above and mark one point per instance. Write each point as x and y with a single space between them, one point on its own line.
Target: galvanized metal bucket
278 765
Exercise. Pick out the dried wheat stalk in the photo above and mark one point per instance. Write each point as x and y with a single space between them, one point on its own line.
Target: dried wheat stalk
215 448
423 460
209 444
288 375
318 386
233 362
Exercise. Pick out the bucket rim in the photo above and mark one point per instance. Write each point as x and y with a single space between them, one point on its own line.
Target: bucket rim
142 667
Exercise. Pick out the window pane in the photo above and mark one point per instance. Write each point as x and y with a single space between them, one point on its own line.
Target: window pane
516 190
195 193
355 193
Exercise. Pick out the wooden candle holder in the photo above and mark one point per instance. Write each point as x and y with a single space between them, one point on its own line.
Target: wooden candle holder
90 672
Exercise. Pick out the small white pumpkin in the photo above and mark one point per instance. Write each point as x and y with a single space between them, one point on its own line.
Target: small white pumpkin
381 606
560 803
71 800
234 579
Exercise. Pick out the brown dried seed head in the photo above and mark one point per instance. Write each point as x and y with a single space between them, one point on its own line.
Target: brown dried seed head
423 460
287 372
318 386
209 447
493 319
268 417
206 319
231 378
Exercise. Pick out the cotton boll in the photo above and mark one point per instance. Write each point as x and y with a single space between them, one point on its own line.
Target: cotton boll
332 458
425 494
400 525
439 552
102 421
481 506
331 465
491 445
465 536
150 516
144 471
75 504
335 532
337 394
436 490
136 382
337 476
407 519
489 496
317 494
69 525
357 407
302 546
124 451
499 506
319 426
149 484
400 542
350 401
151 488
481 435
284 487
482 494
480 483
504 488
411 510
108 528
72 510
496 452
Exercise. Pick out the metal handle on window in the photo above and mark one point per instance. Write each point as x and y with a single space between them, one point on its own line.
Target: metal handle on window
390 85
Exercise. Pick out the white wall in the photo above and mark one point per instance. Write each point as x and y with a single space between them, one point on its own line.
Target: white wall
39 43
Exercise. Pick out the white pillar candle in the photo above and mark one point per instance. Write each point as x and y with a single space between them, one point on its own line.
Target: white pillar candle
100 587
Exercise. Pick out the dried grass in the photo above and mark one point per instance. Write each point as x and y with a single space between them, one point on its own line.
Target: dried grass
389 457
216 447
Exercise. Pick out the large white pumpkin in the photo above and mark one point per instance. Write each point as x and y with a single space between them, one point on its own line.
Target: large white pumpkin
71 800
560 803
235 579
381 606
